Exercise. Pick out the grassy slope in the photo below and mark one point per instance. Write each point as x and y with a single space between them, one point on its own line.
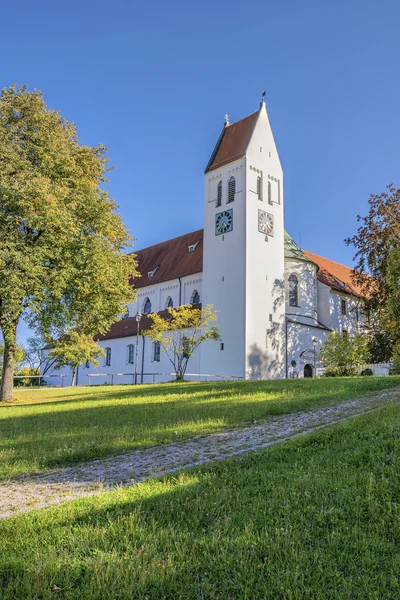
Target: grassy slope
317 517
58 427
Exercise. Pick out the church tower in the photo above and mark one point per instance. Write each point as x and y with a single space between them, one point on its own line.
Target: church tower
243 261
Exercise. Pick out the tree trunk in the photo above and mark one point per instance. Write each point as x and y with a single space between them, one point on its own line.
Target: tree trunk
7 378
73 376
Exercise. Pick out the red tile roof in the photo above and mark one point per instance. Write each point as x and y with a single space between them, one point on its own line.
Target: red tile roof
128 327
171 259
233 142
337 276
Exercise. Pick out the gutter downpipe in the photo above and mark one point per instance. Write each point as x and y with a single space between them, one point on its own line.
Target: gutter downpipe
180 291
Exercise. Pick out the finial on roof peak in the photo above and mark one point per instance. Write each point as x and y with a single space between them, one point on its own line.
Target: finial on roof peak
227 120
263 98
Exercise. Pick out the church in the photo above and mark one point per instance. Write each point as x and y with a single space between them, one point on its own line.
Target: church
276 303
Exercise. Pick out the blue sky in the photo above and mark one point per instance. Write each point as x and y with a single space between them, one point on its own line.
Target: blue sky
153 81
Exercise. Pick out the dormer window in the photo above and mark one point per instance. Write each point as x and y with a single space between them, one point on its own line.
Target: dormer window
150 274
193 247
219 194
231 189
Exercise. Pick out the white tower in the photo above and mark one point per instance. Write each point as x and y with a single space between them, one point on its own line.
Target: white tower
243 262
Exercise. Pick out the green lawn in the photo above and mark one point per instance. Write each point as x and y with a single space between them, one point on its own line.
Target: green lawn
45 428
314 518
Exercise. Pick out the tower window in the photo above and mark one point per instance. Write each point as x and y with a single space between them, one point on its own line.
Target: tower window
219 194
131 354
195 297
344 307
108 357
259 188
269 193
293 290
147 307
221 346
231 189
156 351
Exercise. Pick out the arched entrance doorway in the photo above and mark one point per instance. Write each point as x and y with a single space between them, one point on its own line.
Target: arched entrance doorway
308 371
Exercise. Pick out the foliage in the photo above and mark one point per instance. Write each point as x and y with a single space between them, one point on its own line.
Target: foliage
62 259
394 298
75 350
315 517
19 357
182 331
54 427
29 381
343 355
377 236
367 373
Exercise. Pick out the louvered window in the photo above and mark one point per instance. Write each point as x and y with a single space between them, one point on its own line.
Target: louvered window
269 193
231 189
219 194
259 188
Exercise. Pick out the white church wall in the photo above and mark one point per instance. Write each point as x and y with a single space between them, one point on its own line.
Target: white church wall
265 302
300 349
224 272
307 288
340 322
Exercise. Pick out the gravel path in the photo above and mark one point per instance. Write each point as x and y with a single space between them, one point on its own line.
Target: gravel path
59 485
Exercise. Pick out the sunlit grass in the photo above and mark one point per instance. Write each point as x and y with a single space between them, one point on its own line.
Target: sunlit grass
317 517
47 428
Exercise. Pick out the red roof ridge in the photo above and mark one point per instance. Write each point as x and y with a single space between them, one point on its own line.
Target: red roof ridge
328 259
178 237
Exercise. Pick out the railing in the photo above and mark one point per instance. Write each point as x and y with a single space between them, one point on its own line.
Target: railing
153 376
39 377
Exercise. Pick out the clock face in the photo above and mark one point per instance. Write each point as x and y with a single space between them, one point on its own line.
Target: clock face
265 223
224 222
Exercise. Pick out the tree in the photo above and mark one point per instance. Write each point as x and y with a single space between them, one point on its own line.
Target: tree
394 302
377 236
20 357
181 331
343 355
75 350
62 261
37 357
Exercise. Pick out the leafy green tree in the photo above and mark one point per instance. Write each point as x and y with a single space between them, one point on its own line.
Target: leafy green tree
20 357
394 302
343 355
181 331
75 350
62 260
377 236
36 356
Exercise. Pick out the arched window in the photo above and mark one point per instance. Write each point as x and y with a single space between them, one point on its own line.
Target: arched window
131 354
169 303
156 351
108 357
269 193
231 189
87 364
195 297
146 307
219 194
259 188
293 290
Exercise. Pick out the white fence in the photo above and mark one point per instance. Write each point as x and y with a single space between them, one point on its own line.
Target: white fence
129 378
378 369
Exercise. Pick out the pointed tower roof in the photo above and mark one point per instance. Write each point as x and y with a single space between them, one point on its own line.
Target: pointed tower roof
292 250
232 142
